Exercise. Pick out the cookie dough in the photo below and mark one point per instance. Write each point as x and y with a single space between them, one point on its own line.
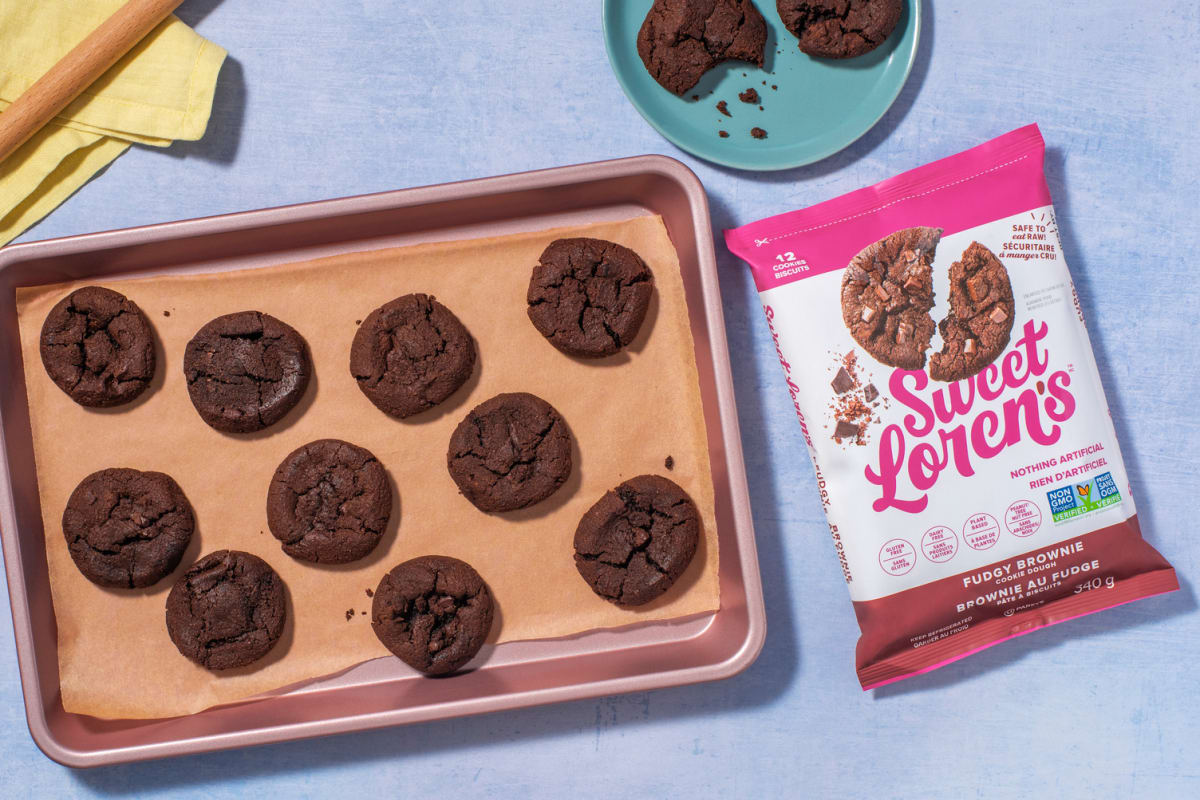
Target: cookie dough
245 371
887 293
98 347
680 40
329 502
634 543
433 613
589 296
510 452
226 611
840 28
411 354
126 528
977 329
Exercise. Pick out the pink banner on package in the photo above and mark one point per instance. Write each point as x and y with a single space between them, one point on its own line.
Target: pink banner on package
994 180
936 355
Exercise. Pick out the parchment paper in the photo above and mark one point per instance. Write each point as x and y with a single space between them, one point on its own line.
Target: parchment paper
627 414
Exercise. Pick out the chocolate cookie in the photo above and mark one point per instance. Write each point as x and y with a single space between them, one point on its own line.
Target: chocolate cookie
977 329
126 528
887 292
245 371
98 347
226 611
329 502
411 354
510 452
637 540
433 613
840 28
680 40
589 296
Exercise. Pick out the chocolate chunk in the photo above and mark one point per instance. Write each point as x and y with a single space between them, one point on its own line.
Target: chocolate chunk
842 382
997 315
846 430
969 346
870 393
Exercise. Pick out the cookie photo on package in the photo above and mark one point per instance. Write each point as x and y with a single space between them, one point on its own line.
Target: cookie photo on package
936 355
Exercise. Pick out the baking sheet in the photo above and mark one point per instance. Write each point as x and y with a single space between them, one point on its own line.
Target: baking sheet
627 414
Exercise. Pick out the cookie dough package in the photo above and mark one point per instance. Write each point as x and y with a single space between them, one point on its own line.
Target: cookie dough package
936 355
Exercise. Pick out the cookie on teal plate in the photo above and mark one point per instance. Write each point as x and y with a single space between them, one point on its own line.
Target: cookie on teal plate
811 107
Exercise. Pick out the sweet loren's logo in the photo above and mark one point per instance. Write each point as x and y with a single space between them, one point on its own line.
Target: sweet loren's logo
951 437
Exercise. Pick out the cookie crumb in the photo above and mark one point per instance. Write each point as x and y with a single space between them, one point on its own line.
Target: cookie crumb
760 108
166 313
749 96
758 133
349 614
358 322
363 613
723 134
695 97
669 463
773 86
723 107
370 593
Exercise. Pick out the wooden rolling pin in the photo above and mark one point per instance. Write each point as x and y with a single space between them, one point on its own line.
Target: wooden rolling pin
78 69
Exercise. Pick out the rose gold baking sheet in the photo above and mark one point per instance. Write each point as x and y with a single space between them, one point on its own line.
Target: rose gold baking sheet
382 692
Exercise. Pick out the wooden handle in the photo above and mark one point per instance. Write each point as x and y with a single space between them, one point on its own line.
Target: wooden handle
78 69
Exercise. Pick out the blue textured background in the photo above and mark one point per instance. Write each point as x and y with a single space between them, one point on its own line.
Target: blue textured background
323 99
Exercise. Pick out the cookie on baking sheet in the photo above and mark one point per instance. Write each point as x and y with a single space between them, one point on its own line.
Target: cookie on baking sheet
227 611
840 28
329 502
510 452
634 543
589 296
245 371
977 329
98 347
411 354
433 613
887 293
680 40
126 528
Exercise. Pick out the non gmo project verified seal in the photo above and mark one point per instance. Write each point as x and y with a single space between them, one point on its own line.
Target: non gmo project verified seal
1077 499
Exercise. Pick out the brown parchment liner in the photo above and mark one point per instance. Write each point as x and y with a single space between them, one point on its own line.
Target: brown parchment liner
627 414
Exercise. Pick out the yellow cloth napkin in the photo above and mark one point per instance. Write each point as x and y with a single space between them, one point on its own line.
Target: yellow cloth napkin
162 90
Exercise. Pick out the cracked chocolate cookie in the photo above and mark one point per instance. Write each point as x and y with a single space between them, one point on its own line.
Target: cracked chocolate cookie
840 28
411 354
680 40
98 347
887 293
226 611
979 324
510 452
126 528
329 502
637 540
433 613
589 296
245 371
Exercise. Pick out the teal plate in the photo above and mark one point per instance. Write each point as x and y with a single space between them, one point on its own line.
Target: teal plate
820 107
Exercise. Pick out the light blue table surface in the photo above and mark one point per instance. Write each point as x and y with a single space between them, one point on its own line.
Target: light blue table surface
323 99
